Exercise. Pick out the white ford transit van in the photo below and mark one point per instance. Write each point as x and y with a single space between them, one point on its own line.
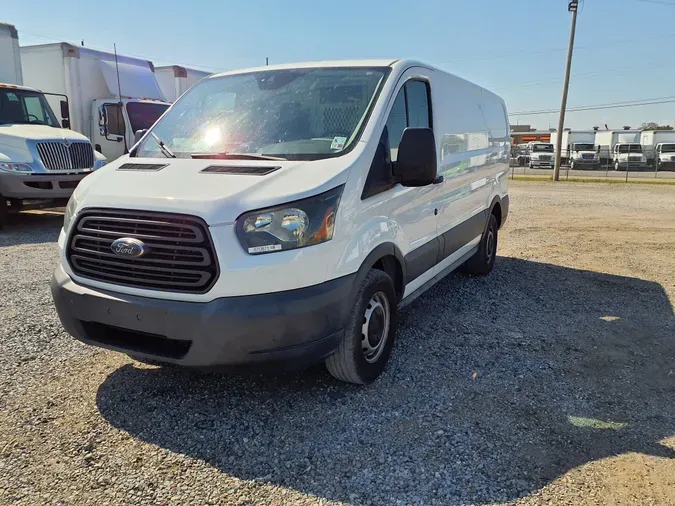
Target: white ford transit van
283 214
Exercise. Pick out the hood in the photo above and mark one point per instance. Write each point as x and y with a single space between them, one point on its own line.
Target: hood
16 135
218 198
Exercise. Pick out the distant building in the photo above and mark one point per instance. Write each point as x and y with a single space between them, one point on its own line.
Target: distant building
522 134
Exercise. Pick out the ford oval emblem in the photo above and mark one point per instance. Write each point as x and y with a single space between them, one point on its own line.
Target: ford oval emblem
128 247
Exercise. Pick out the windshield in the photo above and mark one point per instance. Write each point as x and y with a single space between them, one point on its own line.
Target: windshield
142 115
668 148
630 148
542 147
23 106
584 147
301 114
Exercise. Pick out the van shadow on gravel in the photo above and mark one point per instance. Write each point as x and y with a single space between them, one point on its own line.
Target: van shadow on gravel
31 228
570 367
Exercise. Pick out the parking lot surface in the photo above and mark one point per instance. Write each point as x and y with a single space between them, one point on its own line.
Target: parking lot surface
550 381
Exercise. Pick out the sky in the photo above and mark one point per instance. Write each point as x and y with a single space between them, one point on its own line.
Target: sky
624 49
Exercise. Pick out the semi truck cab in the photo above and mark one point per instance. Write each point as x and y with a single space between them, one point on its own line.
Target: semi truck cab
38 158
628 156
584 155
114 122
665 153
540 155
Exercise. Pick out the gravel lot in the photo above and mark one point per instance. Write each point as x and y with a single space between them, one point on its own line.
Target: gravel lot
550 381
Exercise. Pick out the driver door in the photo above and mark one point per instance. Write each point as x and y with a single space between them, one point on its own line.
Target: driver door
109 134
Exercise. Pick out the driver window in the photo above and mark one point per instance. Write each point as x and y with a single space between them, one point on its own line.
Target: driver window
34 109
115 119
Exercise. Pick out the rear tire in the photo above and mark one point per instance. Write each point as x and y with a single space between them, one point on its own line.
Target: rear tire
15 205
482 262
4 209
369 334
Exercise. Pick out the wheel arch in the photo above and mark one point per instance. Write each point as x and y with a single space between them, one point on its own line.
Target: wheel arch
388 258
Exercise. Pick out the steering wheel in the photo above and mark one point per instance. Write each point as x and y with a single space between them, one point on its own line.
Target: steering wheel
36 118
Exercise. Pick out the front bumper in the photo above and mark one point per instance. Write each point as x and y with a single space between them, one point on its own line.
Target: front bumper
296 327
586 162
39 186
542 163
623 164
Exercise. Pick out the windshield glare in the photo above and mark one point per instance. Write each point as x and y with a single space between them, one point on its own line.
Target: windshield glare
584 147
142 115
630 148
542 147
28 107
301 114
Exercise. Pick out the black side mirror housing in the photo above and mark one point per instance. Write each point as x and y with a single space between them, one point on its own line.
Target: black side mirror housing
65 112
138 135
416 163
65 123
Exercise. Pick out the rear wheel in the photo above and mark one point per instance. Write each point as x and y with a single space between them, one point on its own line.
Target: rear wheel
15 205
3 211
369 335
482 262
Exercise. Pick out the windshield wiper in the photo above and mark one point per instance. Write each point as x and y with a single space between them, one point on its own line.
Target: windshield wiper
234 156
167 152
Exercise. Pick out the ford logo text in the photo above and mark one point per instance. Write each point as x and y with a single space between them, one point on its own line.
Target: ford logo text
128 247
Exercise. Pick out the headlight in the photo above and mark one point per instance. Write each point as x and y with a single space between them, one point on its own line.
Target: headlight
16 167
70 212
294 225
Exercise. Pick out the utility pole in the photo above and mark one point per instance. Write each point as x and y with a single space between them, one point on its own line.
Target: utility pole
572 7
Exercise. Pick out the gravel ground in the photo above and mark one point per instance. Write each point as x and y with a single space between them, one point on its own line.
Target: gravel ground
551 381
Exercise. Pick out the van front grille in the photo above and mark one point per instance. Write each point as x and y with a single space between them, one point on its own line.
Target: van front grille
178 255
58 156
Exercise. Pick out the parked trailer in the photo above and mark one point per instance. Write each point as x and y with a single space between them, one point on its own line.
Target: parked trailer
175 80
94 81
38 158
650 139
578 149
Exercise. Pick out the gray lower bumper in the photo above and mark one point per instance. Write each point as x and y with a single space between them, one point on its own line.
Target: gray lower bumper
298 326
46 186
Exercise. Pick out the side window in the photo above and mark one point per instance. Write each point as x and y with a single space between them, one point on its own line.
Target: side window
418 104
113 113
411 109
397 122
34 109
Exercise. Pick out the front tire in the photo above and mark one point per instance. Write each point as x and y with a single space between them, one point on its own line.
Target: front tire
482 262
3 211
369 335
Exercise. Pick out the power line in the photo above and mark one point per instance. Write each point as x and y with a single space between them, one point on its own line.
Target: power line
660 2
615 105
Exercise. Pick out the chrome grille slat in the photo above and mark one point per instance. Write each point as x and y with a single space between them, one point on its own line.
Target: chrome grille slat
179 257
55 155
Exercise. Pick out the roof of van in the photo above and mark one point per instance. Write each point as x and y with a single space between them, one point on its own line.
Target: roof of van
353 63
19 87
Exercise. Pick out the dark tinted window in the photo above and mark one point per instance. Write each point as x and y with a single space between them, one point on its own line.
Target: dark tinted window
418 104
142 115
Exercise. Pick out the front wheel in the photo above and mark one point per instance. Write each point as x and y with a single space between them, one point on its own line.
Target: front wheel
3 211
369 335
482 262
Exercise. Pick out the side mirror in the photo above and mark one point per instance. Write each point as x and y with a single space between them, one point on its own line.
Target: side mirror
65 123
416 163
138 135
65 113
597 149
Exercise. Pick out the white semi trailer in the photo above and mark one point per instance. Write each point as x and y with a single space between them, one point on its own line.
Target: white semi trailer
657 147
40 158
578 148
175 80
110 97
